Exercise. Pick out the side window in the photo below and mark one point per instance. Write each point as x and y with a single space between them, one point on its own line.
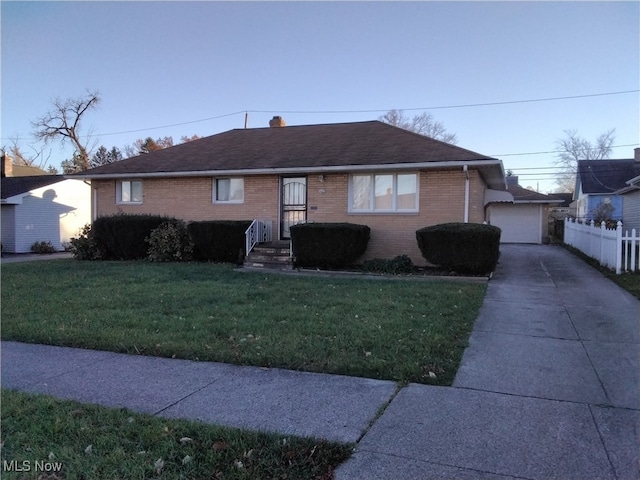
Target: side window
129 191
228 190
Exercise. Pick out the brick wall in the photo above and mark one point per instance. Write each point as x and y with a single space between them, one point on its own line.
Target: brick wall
191 198
441 199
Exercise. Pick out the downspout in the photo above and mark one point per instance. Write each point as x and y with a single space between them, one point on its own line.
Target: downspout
94 200
465 169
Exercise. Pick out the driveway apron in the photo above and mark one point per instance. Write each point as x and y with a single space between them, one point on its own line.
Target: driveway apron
548 387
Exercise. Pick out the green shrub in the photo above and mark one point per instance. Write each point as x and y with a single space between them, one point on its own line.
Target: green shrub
169 243
461 247
85 246
218 240
328 245
122 237
43 247
395 266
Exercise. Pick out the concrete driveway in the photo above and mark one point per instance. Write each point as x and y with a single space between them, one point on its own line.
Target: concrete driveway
548 387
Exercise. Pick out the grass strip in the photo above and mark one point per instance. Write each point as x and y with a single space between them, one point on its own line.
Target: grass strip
48 439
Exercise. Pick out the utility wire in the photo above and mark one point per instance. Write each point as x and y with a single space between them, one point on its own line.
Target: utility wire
321 112
441 107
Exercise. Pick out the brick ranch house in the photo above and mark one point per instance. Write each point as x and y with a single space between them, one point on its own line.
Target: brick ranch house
370 173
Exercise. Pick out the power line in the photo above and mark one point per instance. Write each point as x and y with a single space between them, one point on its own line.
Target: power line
322 112
441 107
173 125
555 151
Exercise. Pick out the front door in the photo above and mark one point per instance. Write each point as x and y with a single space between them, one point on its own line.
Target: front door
294 204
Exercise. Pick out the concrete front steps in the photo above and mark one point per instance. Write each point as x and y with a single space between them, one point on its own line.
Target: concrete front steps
273 256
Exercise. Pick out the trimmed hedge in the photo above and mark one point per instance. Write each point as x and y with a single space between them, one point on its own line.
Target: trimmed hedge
122 236
328 245
461 247
218 240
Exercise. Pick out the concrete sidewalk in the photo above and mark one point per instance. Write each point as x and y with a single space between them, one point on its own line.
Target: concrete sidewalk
33 257
548 387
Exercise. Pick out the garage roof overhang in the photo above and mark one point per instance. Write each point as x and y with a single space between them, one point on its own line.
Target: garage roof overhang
497 196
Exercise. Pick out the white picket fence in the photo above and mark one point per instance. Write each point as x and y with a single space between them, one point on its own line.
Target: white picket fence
609 246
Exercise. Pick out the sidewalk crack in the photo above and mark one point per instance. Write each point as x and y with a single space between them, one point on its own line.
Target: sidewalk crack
198 390
380 412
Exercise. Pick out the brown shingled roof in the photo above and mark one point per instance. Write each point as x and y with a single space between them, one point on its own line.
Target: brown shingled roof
335 145
524 195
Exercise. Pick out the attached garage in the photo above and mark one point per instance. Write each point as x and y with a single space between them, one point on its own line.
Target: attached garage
520 213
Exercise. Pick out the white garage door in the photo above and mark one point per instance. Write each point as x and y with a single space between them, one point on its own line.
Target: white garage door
519 223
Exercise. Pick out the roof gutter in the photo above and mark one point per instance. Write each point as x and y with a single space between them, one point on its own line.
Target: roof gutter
287 170
633 184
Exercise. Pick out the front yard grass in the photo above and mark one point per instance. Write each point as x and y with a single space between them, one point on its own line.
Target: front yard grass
408 331
44 438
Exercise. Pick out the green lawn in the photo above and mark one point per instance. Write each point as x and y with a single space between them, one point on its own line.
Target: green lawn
408 331
48 439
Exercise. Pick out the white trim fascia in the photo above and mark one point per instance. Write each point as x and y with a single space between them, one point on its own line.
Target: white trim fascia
633 181
15 200
537 201
632 185
294 170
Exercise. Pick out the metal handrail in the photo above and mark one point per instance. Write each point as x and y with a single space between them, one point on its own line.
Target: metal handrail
259 231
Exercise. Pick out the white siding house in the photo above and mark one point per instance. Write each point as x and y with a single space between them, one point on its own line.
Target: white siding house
631 204
45 208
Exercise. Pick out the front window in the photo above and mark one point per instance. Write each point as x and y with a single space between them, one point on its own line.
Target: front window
383 193
229 190
129 191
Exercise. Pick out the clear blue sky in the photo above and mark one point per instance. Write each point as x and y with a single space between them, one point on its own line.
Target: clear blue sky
158 64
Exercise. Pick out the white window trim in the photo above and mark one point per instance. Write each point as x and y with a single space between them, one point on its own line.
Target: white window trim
394 209
226 202
119 200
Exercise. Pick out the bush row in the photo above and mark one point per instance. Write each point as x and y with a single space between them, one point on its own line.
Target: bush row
161 239
461 247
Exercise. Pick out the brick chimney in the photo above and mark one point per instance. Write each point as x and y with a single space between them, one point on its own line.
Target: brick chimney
7 166
277 122
512 179
636 154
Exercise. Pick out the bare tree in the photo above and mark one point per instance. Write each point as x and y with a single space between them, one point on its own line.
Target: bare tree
572 148
63 122
140 146
185 139
36 159
424 124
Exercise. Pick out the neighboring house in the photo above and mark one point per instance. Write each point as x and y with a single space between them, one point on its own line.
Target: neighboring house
523 214
9 169
563 209
46 208
598 181
370 173
631 203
